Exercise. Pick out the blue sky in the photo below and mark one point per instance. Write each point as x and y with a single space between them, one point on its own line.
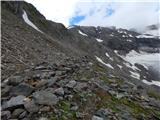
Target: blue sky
119 13
76 19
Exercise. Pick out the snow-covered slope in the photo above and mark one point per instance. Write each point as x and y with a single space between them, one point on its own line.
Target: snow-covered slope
26 19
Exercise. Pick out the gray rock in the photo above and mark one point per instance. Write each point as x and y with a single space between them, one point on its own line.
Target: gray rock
103 113
5 115
15 80
59 91
5 91
51 81
22 115
101 85
43 118
47 75
40 67
62 83
50 90
31 107
59 73
71 84
120 95
17 112
25 118
80 86
22 89
41 83
154 102
74 108
45 109
68 70
45 98
79 115
97 118
14 102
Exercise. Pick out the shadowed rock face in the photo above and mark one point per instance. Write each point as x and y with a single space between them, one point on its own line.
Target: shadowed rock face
76 73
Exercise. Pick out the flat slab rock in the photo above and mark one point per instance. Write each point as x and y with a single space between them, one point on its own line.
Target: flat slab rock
45 98
22 89
97 118
14 102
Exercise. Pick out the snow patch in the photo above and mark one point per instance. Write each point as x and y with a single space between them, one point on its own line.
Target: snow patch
71 27
26 19
124 36
111 35
108 56
120 66
106 64
120 31
128 40
115 51
130 35
99 40
80 32
157 83
135 75
145 36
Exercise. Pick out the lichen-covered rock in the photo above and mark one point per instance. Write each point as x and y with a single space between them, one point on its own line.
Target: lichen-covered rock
45 98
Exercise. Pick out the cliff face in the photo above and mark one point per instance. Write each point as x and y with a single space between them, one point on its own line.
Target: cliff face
77 72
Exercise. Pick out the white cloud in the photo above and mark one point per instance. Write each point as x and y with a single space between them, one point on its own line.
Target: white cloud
128 13
56 10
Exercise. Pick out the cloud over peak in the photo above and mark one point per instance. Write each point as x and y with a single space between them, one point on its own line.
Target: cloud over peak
120 13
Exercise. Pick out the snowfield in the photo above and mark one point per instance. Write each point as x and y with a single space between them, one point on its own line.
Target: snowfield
145 36
157 83
145 59
80 32
99 40
26 19
135 75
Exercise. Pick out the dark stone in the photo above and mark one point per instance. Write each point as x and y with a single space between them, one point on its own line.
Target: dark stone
17 112
22 89
5 115
22 115
15 80
5 91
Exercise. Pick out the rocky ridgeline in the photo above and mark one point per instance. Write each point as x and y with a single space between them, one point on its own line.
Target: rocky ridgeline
77 89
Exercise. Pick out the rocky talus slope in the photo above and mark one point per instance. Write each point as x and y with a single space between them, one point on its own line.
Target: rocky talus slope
50 72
